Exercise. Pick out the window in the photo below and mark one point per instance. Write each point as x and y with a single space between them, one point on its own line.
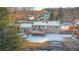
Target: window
64 27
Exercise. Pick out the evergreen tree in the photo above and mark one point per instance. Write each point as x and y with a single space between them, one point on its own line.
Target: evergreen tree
9 41
60 14
52 16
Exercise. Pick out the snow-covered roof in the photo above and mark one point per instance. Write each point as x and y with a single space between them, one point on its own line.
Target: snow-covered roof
25 25
53 23
66 24
49 23
40 23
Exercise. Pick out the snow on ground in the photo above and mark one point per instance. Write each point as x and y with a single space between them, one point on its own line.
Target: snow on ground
48 37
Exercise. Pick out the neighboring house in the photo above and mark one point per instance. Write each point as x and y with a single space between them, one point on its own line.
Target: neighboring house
49 27
67 26
53 27
39 25
25 27
76 32
45 17
31 17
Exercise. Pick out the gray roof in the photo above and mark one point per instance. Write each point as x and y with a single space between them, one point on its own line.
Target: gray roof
53 23
25 25
40 23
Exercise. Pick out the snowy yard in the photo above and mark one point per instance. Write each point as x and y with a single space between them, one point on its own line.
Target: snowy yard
48 37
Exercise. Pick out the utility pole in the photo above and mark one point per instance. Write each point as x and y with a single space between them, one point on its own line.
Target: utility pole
73 23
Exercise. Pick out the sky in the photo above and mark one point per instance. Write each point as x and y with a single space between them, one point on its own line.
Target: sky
38 8
58 3
39 3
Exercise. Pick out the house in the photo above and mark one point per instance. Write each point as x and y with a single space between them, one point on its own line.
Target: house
53 27
67 26
30 17
76 31
25 28
39 28
45 17
39 25
48 27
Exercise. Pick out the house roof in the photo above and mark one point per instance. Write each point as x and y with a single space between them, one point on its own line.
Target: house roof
25 25
66 24
40 23
49 23
53 23
45 16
